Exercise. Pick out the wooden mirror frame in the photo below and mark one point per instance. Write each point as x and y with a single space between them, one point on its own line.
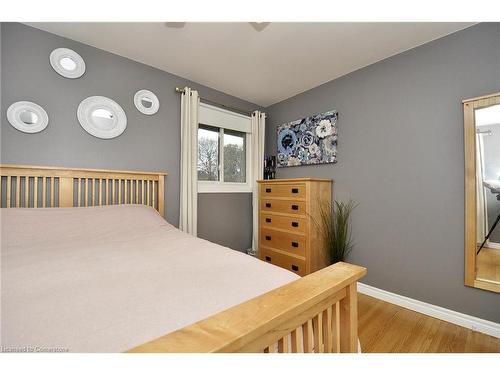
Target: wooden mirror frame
470 105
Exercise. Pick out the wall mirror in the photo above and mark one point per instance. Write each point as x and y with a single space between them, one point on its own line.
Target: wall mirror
27 117
146 102
482 192
67 63
102 117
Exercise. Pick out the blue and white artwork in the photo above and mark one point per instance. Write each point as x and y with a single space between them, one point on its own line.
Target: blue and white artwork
312 140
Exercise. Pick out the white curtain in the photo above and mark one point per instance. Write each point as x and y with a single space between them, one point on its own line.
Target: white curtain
188 216
481 212
257 152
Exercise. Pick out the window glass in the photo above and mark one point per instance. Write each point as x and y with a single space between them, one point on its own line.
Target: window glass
208 153
234 156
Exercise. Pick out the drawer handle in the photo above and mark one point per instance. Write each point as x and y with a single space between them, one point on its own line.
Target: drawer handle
294 267
268 205
295 207
268 238
295 244
268 220
295 190
295 224
268 190
268 259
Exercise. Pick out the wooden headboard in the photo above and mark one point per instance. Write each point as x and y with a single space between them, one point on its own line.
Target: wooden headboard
34 186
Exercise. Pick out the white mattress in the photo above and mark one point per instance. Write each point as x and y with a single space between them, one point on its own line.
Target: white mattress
106 279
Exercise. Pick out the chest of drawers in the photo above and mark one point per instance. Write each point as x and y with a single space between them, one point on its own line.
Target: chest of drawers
288 235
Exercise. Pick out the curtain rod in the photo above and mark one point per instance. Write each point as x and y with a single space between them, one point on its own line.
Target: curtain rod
223 106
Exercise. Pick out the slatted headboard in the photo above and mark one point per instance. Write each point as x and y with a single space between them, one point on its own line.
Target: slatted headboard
34 186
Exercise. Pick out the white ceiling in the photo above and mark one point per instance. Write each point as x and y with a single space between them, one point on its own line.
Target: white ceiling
263 67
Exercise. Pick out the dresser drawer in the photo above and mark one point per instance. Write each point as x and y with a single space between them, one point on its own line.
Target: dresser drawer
293 224
283 206
293 191
284 261
289 242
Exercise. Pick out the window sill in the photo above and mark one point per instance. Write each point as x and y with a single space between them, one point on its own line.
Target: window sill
227 187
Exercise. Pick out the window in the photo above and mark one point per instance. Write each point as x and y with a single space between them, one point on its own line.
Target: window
208 153
223 152
234 156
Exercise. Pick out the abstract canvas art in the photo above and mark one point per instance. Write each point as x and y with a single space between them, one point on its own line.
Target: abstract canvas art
311 140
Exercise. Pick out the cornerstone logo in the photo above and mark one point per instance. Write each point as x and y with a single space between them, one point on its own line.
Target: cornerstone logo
32 349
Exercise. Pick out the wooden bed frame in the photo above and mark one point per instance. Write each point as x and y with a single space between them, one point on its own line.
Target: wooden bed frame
32 186
315 314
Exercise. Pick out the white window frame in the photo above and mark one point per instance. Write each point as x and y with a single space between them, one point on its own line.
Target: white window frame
224 119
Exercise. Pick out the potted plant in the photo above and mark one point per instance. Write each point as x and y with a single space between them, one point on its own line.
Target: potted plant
335 227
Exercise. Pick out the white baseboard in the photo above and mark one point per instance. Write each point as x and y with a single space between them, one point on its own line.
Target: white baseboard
464 320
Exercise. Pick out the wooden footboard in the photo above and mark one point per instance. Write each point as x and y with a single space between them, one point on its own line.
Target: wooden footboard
315 314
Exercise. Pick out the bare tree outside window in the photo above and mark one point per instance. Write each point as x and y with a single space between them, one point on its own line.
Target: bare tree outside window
234 156
210 141
208 154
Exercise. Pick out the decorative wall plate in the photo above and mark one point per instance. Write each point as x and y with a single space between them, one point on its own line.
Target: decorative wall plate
27 117
67 63
146 102
102 117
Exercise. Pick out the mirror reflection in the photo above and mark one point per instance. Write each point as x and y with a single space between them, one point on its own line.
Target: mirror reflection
147 102
487 123
28 117
103 119
67 63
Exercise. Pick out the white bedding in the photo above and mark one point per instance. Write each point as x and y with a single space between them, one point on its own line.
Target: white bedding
106 279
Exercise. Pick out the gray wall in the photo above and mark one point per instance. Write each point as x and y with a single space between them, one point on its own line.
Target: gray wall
230 226
401 158
148 143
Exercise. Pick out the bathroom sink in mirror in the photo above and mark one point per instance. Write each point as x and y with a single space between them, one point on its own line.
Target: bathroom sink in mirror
482 140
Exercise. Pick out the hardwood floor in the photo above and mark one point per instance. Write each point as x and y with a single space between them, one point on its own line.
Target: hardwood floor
387 328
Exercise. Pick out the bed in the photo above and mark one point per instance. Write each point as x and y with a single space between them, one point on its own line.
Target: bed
90 265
